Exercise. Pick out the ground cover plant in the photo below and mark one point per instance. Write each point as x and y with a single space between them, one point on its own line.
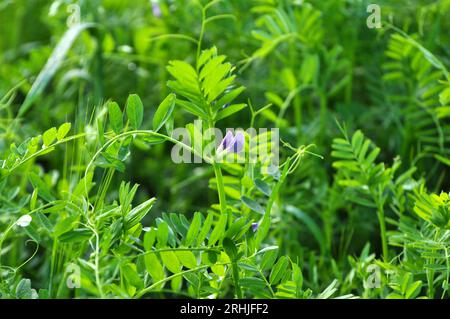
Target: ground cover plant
100 197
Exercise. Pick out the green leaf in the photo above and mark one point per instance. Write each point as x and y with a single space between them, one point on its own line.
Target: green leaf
329 291
372 156
153 140
193 229
76 236
33 232
115 117
52 65
250 203
187 258
109 160
249 267
218 230
24 291
63 130
162 234
100 131
163 112
49 136
344 155
210 257
137 213
154 267
230 248
33 198
413 290
268 259
274 98
151 261
279 270
135 111
357 141
192 108
170 261
238 228
44 190
263 187
149 239
297 275
131 275
252 283
442 159
186 83
205 229
310 224
64 225
229 110
228 97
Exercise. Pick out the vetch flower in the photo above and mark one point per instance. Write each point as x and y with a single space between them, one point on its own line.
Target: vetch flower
24 221
156 9
232 143
255 226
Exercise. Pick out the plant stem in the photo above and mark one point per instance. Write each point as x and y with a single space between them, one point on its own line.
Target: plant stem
298 115
377 197
2 239
265 223
219 182
323 113
430 272
235 269
97 265
221 190
52 266
381 220
202 32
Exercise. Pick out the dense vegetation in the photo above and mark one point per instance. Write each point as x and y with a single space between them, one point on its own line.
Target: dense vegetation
93 205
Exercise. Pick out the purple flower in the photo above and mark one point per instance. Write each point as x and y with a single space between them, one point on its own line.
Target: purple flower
156 9
255 226
232 143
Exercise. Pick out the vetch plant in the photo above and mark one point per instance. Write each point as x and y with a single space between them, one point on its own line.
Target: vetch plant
140 162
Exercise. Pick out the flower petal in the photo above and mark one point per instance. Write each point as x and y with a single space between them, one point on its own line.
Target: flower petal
24 221
226 143
239 141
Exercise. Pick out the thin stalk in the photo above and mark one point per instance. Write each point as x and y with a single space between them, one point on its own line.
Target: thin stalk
430 272
323 112
447 262
298 115
220 185
2 238
235 270
52 266
202 32
382 222
97 263
221 191
265 223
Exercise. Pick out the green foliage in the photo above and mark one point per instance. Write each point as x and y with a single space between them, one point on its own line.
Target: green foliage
433 208
135 111
93 205
206 88
356 162
163 112
115 117
422 86
404 287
